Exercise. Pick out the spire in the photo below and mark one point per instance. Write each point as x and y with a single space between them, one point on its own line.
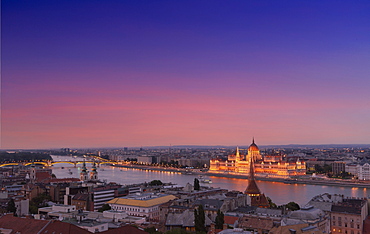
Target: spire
93 173
251 169
253 140
252 188
83 173
83 169
237 154
94 166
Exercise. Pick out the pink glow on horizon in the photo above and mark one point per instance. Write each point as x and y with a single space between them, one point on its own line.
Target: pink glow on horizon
153 116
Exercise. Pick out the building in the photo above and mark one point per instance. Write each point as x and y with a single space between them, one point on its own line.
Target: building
57 210
184 220
82 201
360 170
22 206
313 216
142 205
302 228
348 216
257 224
338 167
103 194
91 197
264 166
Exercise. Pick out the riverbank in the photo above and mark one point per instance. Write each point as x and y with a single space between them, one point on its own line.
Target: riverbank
323 182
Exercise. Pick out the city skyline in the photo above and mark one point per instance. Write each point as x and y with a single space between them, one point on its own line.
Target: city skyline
140 73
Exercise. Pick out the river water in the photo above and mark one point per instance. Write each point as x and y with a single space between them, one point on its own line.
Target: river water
279 192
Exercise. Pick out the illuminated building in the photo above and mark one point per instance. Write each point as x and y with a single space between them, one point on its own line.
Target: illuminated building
264 166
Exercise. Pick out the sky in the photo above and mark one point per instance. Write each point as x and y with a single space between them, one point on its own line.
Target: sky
115 73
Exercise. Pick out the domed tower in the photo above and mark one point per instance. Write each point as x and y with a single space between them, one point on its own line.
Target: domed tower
254 152
93 173
83 173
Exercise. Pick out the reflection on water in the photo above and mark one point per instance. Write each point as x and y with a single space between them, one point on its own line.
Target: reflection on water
280 193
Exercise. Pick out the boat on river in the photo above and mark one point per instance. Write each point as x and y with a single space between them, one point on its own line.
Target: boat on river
204 180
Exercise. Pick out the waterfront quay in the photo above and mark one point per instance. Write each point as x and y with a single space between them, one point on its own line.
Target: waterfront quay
311 181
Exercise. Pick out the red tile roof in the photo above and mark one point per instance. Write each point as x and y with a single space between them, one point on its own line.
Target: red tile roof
42 175
230 219
128 229
81 197
61 180
63 228
32 226
22 225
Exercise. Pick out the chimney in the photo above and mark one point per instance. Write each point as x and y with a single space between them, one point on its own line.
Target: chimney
212 230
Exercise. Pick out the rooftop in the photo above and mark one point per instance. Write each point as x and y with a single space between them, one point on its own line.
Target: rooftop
142 200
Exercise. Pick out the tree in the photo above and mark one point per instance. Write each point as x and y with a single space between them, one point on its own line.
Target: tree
292 206
151 230
11 207
219 220
272 205
196 184
104 208
199 219
155 182
33 209
318 169
41 199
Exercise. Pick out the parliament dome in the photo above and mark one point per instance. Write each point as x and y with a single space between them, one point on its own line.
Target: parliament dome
253 147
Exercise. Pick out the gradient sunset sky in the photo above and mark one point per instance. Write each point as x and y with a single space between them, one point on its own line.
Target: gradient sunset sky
147 73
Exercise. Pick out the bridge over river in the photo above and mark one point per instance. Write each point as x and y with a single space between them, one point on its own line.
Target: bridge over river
49 163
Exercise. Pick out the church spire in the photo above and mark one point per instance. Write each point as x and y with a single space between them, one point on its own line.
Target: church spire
93 173
252 188
237 154
257 198
83 173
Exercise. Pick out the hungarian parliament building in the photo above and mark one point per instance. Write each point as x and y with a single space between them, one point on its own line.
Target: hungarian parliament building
264 166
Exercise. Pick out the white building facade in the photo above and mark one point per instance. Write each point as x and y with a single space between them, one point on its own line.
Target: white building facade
141 205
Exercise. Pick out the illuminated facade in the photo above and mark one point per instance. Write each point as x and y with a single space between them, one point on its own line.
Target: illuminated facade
264 166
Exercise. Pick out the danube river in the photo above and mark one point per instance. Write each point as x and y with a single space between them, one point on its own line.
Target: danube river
279 192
